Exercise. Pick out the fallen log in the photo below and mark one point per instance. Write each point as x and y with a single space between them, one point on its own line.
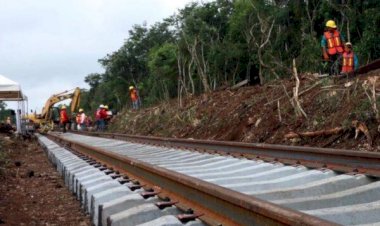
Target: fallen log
240 84
335 130
359 127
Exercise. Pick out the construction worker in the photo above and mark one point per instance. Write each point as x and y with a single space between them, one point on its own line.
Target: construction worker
102 116
350 61
109 114
81 116
332 45
63 119
134 97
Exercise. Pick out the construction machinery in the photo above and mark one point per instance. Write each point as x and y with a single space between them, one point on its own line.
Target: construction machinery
49 115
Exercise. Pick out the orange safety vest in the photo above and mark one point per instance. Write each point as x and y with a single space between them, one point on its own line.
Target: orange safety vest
334 44
134 95
63 116
348 62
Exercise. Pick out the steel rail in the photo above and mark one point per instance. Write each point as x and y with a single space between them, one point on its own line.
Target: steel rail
346 161
369 67
224 205
374 65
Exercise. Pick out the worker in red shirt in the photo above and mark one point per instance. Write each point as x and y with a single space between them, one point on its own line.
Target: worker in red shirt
134 97
63 119
102 117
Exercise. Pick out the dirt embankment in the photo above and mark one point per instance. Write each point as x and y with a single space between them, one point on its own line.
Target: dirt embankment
267 114
31 191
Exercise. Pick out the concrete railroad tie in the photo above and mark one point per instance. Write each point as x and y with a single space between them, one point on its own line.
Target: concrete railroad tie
107 201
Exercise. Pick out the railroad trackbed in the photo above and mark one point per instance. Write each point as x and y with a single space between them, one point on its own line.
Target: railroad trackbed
153 181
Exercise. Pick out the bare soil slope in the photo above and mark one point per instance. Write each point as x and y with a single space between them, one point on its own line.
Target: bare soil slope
343 107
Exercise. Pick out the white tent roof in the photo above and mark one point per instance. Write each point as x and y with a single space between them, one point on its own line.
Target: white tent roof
10 90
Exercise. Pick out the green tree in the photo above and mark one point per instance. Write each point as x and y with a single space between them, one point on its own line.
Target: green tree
207 45
163 72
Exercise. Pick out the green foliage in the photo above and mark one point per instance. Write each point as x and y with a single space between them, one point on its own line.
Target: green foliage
162 66
310 57
210 44
3 105
369 45
4 112
363 111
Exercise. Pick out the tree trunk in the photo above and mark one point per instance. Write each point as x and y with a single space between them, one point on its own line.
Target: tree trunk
190 76
201 66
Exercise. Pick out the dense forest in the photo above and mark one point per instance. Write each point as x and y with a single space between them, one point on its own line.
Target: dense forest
208 45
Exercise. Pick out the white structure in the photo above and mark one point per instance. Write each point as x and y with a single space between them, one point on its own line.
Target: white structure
11 91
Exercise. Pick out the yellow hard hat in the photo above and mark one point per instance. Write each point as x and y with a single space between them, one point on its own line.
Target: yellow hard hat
131 87
63 107
331 23
106 106
81 110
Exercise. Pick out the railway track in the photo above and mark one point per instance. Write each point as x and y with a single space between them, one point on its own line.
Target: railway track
228 183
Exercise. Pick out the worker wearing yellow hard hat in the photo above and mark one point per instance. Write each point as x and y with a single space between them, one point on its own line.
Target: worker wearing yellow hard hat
332 45
331 23
63 118
134 97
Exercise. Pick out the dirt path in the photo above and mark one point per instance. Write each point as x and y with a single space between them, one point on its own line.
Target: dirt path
31 191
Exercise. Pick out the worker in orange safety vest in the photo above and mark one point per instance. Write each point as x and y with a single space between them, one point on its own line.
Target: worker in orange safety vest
134 97
349 61
63 118
332 45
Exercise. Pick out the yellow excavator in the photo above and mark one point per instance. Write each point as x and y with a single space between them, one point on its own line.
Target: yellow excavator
46 120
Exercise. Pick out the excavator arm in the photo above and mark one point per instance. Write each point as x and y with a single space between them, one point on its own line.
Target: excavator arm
45 116
75 100
56 98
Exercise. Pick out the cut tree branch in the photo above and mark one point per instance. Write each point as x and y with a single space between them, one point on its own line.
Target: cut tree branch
298 109
328 132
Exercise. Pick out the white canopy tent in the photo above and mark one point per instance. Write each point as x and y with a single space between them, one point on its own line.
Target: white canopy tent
11 91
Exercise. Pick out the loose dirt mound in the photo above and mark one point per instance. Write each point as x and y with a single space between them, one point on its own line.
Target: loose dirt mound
266 114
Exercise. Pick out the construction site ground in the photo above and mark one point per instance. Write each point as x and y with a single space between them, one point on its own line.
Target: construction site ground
335 112
31 191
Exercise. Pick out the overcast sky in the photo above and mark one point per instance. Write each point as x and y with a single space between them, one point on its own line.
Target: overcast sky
49 46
